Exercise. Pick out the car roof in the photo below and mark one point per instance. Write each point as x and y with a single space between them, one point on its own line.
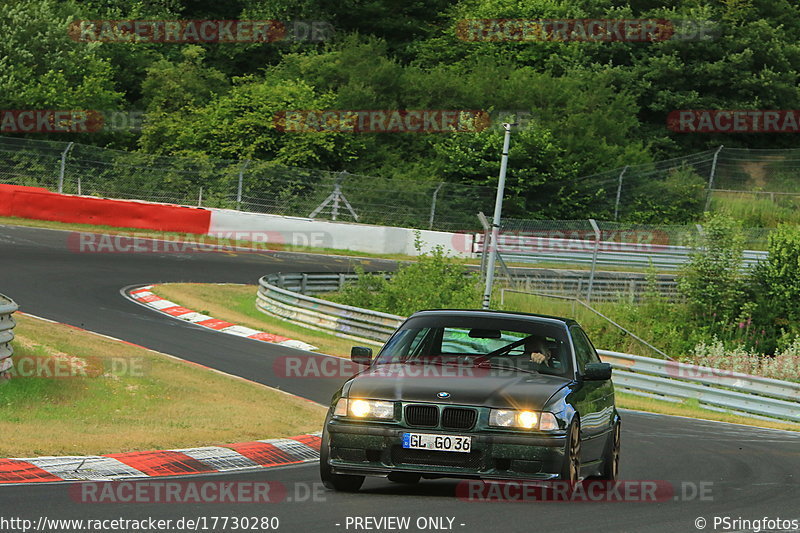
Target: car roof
490 313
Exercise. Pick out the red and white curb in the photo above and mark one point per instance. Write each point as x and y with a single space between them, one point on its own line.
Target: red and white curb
145 296
120 466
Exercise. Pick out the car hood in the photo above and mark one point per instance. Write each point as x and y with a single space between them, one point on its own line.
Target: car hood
465 385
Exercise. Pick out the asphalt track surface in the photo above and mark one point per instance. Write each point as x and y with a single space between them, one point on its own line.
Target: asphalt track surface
716 470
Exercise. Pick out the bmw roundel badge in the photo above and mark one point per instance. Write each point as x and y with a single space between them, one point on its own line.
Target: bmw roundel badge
443 394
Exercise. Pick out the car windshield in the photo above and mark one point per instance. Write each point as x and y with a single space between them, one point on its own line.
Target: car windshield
528 345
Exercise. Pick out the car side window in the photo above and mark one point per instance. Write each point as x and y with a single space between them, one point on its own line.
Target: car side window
584 351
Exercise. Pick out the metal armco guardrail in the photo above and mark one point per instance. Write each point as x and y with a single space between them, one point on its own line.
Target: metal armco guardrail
711 387
7 323
523 249
363 325
606 286
280 295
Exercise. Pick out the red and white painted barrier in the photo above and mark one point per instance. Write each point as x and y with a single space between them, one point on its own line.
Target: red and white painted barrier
145 296
40 204
132 465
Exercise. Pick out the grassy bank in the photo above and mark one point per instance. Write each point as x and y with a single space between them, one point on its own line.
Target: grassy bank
236 304
110 396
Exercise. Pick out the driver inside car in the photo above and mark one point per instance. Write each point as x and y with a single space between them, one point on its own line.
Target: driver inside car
537 350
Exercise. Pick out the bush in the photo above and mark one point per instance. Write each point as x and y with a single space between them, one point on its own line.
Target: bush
783 365
713 282
434 281
776 288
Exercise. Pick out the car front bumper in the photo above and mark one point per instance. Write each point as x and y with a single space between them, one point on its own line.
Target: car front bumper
374 449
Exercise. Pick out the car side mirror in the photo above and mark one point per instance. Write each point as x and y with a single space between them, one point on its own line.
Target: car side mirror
361 355
597 372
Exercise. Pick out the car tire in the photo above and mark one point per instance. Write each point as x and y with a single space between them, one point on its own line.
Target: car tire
610 470
405 478
571 467
338 482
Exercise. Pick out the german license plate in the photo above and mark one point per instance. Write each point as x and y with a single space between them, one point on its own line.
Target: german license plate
437 443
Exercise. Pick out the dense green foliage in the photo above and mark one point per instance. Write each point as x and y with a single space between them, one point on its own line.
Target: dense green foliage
434 281
594 106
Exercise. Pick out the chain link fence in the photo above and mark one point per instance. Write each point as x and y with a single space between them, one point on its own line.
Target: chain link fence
254 186
265 187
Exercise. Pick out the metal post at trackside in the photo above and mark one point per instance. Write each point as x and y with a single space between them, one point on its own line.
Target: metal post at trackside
239 188
594 258
63 167
200 198
711 176
619 193
433 205
498 210
487 228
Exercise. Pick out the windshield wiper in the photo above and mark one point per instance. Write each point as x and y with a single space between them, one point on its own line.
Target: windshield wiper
502 351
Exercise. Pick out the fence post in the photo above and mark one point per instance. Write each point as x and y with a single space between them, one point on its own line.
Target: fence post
63 167
200 198
619 193
711 176
594 258
239 188
433 205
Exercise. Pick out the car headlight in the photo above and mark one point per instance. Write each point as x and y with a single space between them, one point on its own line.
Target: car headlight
357 408
511 418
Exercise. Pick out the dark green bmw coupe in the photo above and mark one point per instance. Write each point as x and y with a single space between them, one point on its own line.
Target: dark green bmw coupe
474 394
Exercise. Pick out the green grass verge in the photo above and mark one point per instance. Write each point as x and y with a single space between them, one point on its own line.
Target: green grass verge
236 303
118 397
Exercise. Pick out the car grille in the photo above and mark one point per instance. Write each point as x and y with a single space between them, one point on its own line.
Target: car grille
458 418
422 415
402 456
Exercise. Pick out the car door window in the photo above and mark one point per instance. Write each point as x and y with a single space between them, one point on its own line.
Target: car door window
584 351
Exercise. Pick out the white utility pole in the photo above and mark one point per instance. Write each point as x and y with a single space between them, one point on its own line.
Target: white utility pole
498 210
